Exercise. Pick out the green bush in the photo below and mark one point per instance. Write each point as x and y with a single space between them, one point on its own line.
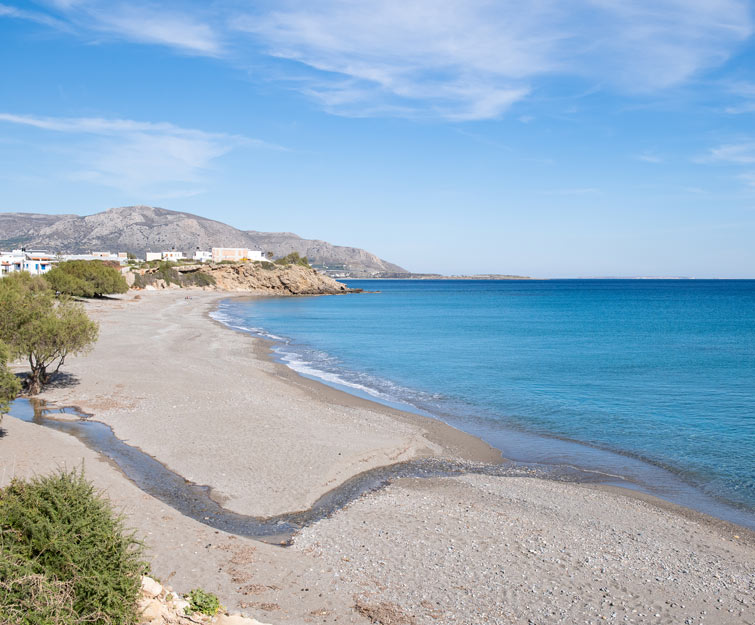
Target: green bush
293 259
202 602
65 558
86 278
197 278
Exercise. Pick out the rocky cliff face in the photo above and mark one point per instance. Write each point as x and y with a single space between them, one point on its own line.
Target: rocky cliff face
139 229
259 278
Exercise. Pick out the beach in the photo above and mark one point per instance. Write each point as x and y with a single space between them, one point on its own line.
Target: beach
211 405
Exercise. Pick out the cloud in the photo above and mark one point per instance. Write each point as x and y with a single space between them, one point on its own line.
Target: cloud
138 157
745 93
456 60
473 59
32 16
740 153
184 28
176 30
648 157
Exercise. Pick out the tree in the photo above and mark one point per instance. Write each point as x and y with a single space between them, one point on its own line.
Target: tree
86 278
9 385
40 327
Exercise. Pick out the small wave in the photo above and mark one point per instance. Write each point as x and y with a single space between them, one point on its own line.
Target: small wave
307 368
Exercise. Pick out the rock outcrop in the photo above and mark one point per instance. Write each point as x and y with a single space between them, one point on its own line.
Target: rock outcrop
258 278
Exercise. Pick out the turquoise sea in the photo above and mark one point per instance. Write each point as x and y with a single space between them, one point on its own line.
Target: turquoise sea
650 383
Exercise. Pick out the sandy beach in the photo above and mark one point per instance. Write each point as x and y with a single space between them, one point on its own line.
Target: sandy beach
209 403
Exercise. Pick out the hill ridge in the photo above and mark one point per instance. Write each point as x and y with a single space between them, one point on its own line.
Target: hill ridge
142 228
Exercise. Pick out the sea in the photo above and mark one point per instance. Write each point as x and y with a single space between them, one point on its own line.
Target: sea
647 384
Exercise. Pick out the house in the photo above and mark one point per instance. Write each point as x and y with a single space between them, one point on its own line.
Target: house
121 257
202 256
36 262
235 254
11 262
171 255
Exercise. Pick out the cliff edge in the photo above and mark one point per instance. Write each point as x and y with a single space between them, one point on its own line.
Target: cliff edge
258 278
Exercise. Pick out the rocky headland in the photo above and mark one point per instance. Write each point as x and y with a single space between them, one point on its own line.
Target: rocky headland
253 278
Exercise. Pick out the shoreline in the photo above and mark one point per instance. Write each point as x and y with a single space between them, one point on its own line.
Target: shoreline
344 568
635 486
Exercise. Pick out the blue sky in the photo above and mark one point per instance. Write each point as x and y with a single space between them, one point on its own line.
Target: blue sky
550 138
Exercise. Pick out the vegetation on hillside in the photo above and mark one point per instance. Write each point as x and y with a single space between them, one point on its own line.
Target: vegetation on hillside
65 557
40 327
166 271
293 259
86 278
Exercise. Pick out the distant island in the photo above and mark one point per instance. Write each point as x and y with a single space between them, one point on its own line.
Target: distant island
437 276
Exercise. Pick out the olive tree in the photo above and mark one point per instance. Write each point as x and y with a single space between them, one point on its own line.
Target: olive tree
9 385
41 328
86 278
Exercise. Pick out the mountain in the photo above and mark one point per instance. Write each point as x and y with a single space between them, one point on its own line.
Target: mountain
138 229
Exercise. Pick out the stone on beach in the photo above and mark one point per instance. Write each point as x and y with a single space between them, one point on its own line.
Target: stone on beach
151 587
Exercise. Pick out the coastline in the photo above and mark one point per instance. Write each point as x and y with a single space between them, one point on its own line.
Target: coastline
333 436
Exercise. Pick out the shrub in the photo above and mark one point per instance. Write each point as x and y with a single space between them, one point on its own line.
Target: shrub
202 602
65 558
197 278
293 259
86 278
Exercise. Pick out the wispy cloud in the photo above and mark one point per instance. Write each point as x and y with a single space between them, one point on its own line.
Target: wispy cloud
445 59
32 16
740 153
473 59
184 28
744 92
138 157
649 157
177 30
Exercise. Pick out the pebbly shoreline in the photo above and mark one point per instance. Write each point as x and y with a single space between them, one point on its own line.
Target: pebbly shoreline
209 404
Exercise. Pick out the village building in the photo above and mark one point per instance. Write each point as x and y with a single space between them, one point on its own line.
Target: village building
235 254
170 255
36 262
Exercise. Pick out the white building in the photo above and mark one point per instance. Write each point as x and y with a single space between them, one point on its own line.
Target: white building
121 257
35 262
11 262
235 254
171 255
202 256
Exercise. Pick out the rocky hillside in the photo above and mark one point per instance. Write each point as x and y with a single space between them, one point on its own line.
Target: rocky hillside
262 278
139 229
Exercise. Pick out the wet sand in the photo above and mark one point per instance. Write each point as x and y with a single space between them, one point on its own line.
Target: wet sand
208 403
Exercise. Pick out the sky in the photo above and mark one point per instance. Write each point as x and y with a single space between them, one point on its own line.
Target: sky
543 138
